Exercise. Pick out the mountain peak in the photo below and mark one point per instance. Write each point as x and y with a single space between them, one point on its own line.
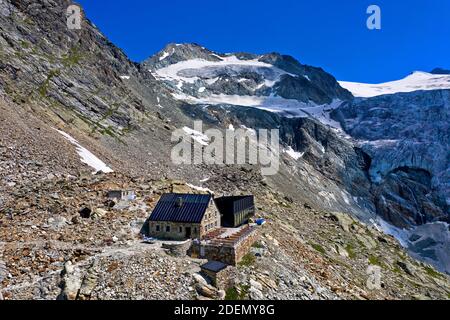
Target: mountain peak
177 52
417 80
204 76
440 71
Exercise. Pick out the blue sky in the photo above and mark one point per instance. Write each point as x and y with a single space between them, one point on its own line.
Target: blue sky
331 34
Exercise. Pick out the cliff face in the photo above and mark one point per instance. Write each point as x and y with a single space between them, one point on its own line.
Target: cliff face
407 136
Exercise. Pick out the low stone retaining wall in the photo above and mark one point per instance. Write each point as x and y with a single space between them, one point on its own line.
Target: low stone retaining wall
228 254
177 249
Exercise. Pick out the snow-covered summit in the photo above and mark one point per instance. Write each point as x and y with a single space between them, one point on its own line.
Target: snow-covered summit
273 82
416 81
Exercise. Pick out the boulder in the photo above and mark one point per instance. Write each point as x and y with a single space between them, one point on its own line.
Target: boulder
57 223
207 291
255 284
98 213
177 249
255 294
199 279
344 220
89 283
85 212
70 282
407 267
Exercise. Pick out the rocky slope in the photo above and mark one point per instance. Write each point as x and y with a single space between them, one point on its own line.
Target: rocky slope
78 82
51 252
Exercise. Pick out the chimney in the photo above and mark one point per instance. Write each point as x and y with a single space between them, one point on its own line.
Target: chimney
179 202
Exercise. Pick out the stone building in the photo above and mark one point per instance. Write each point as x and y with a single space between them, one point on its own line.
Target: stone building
222 276
120 195
183 216
235 210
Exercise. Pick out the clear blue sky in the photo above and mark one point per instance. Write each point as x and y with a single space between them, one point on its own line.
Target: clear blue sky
331 34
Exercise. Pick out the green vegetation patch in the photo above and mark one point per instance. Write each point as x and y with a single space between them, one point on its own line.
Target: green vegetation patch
72 58
350 251
433 273
257 245
44 86
248 260
318 248
374 260
235 294
24 44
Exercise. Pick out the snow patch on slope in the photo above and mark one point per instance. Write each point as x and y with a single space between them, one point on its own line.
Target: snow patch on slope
199 188
293 154
287 107
166 54
414 82
197 136
86 156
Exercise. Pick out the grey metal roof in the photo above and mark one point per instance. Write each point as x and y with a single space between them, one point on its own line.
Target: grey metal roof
214 266
192 210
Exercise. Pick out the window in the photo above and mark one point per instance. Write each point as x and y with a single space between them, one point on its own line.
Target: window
180 229
195 229
158 228
167 228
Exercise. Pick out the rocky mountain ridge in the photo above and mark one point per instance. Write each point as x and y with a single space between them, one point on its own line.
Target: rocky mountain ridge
198 72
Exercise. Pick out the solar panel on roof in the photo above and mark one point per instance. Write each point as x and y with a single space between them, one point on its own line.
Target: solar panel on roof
173 207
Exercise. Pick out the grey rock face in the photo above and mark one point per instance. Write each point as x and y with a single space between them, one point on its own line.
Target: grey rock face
77 74
404 197
440 71
332 172
322 86
174 53
431 243
408 137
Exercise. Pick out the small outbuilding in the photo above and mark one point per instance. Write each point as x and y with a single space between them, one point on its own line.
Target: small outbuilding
121 195
222 276
235 210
